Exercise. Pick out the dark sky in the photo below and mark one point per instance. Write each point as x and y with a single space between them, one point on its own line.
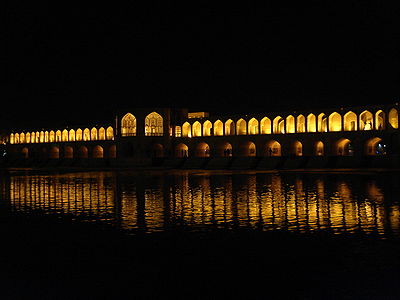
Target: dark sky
77 63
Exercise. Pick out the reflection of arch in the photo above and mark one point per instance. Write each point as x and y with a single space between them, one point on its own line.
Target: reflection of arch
311 123
241 127
229 127
224 149
202 150
196 129
98 152
181 150
297 148
379 120
343 147
290 126
68 152
186 130
273 148
253 126
218 128
247 149
375 146
128 125
83 152
350 121
394 118
301 123
265 125
335 122
54 152
278 125
153 125
366 120
319 148
322 125
207 128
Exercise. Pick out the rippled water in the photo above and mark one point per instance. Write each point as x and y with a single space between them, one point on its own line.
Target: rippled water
158 200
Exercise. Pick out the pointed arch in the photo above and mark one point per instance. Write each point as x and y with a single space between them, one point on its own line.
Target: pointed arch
265 125
350 121
207 126
241 127
380 120
64 135
366 120
218 128
86 134
94 135
253 126
311 123
322 123
301 124
319 148
278 125
110 133
394 118
128 125
297 148
229 127
79 135
290 126
335 122
154 124
22 138
196 129
102 134
58 136
273 148
186 130
52 136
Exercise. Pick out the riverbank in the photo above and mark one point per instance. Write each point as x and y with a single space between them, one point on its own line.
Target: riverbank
48 257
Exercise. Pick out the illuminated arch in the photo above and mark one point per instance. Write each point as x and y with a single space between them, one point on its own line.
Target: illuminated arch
83 152
181 150
218 128
102 134
290 126
322 123
94 134
394 118
319 148
375 146
64 135
241 127
366 120
343 147
253 126
68 152
379 120
52 136
350 121
46 136
247 149
229 127
202 150
79 135
28 137
86 134
54 152
207 126
278 125
16 138
311 123
41 137
186 130
58 136
265 125
110 133
224 149
71 135
22 138
128 125
98 152
196 129
273 148
335 122
153 125
301 124
12 140
296 148
37 137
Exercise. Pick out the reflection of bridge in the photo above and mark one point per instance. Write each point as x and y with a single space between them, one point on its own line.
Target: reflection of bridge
171 136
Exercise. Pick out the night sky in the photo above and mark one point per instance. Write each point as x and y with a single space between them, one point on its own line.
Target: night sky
78 63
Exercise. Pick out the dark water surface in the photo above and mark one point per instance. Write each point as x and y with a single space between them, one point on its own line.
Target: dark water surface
154 201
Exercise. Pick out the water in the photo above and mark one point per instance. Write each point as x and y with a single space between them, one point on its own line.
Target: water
153 201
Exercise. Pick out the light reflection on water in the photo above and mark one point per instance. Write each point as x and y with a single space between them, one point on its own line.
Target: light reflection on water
155 201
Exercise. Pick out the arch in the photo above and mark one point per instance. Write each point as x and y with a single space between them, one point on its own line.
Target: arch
112 151
64 135
290 124
350 121
186 130
273 148
322 123
128 125
335 122
196 129
241 127
54 152
22 138
343 147
265 125
296 149
207 126
157 150
253 126
202 150
229 127
218 128
102 134
46 136
311 123
71 135
12 140
98 152
27 137
278 125
25 152
86 134
366 120
181 150
78 135
58 136
301 124
224 149
37 137
247 149
375 146
153 124
83 152
52 136
380 120
394 118
110 133
68 152
41 137
319 148
94 136
16 138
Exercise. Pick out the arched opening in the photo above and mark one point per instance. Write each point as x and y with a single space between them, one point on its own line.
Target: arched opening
54 152
25 153
12 139
98 152
265 125
71 135
83 152
301 124
110 133
196 129
335 122
311 123
52 136
112 151
273 148
218 128
68 152
94 134
157 150
58 136
379 120
37 137
102 134
394 118
322 124
344 148
64 135
16 138
186 130
224 149
229 127
350 121
46 136
86 134
241 127
41 137
366 120
247 149
207 126
296 148
278 125
253 126
202 150
128 125
290 126
181 150
375 146
79 134
22 138
153 125
319 148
